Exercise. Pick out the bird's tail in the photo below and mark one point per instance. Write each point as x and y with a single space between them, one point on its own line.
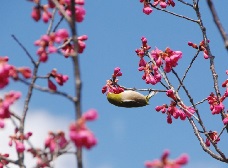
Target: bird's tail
151 94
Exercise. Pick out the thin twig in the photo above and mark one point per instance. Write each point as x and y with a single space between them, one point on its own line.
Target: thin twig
9 160
222 131
190 65
51 22
146 90
187 93
42 89
186 3
57 25
25 50
172 13
65 43
200 101
25 110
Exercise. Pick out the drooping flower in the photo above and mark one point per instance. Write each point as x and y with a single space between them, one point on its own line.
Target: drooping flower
215 106
18 139
165 162
225 120
3 162
80 135
213 136
111 84
146 7
56 141
46 43
59 78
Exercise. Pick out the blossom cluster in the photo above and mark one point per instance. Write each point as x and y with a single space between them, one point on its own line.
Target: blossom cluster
59 78
3 162
5 104
18 139
43 11
80 134
168 57
151 69
47 46
217 107
216 104
213 135
111 84
46 43
68 49
164 162
56 141
163 4
7 71
172 110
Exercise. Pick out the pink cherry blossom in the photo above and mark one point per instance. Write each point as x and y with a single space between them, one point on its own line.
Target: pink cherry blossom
25 72
19 146
59 78
165 162
214 137
90 115
80 135
171 94
3 162
46 43
39 10
112 84
56 141
80 13
51 85
215 106
225 120
36 14
81 43
117 72
146 7
18 139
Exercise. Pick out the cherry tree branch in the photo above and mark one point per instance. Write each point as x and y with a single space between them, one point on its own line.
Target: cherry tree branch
203 145
218 23
43 89
172 13
77 75
211 57
52 21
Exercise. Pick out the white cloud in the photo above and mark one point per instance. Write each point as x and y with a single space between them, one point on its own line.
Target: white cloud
39 122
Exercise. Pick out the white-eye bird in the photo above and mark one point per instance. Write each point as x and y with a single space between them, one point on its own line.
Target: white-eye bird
129 98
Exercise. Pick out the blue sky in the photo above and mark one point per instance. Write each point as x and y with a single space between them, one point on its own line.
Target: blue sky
126 137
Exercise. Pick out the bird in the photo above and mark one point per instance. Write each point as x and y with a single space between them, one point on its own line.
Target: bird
129 98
